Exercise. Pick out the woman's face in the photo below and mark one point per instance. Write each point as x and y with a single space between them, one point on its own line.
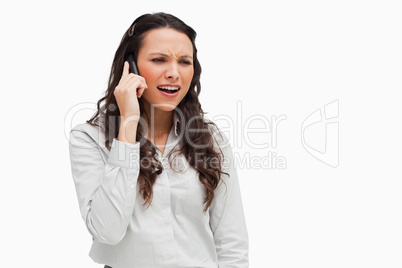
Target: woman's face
165 60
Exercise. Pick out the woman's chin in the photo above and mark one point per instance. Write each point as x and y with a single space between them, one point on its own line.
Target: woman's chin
166 107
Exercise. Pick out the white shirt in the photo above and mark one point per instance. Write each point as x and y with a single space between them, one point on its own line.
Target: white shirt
174 231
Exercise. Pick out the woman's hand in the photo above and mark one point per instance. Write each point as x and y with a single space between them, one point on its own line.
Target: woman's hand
127 92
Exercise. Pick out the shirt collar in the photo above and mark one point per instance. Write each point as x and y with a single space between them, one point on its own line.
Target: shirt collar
176 123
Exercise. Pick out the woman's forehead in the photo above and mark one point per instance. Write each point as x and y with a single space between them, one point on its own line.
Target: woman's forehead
167 41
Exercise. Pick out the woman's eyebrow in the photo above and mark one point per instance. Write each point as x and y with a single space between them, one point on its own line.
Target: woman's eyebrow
186 56
167 56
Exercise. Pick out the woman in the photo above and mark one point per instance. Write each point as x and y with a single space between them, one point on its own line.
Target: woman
156 182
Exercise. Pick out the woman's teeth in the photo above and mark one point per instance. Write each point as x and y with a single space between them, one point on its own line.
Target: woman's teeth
168 89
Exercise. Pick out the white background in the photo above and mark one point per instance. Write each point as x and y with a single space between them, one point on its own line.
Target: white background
275 58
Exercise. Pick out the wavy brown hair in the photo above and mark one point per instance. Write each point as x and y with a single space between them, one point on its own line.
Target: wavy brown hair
195 144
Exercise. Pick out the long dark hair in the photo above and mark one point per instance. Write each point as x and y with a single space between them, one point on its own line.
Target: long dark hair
198 144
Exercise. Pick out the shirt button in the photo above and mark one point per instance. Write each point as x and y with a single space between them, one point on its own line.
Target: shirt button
132 187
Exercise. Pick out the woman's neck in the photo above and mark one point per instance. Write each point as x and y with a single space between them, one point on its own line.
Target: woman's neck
159 123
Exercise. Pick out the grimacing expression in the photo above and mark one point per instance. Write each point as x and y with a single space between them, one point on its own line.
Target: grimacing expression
165 60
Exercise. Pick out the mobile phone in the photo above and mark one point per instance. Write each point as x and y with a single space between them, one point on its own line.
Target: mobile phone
133 65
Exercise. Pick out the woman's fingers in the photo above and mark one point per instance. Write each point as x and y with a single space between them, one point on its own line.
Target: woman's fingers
134 81
125 71
139 86
127 77
140 91
130 88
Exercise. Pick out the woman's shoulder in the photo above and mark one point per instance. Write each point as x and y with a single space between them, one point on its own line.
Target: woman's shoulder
86 134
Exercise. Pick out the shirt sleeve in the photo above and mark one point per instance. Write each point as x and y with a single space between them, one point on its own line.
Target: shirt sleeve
227 219
106 188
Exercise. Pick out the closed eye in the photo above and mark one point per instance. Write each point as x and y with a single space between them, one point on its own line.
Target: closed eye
185 62
158 60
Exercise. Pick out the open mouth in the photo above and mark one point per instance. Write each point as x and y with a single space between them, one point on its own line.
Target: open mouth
169 89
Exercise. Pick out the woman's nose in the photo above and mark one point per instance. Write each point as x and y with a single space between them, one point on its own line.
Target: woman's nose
172 72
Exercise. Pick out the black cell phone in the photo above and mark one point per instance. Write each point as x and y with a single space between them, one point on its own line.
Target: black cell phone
133 65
